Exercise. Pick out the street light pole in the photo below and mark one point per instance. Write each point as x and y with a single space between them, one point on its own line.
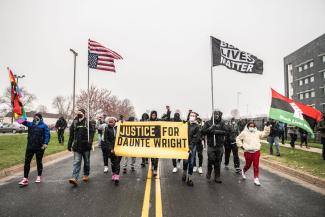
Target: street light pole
74 81
17 78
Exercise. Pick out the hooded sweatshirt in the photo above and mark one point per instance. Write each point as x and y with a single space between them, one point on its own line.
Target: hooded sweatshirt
251 141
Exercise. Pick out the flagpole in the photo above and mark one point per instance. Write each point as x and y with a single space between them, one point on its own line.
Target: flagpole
88 105
212 98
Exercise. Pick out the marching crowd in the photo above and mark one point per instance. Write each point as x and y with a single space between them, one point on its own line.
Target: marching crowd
218 136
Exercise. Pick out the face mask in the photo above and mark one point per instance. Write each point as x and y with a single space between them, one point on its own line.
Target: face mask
251 129
192 119
233 122
36 121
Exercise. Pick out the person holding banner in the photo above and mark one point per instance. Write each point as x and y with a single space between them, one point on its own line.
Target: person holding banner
194 139
126 159
154 161
81 145
250 141
145 117
109 136
176 162
216 132
37 141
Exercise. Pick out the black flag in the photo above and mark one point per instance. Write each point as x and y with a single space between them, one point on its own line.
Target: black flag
233 58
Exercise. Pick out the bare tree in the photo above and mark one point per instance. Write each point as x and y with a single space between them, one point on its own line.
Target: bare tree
63 105
27 99
235 113
42 109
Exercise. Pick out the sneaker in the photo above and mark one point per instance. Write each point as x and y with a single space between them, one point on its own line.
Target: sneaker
117 179
200 170
73 182
194 169
217 180
85 178
124 170
278 155
154 172
38 179
113 177
238 170
106 169
175 170
189 181
257 182
23 182
243 174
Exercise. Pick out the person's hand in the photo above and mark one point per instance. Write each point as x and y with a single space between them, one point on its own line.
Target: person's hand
20 121
242 148
184 122
44 146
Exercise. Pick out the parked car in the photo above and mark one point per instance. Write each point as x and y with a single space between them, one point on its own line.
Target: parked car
12 128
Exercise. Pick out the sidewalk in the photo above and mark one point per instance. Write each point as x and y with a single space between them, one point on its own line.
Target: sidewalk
311 149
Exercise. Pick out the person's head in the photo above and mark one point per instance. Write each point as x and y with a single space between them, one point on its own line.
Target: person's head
37 118
232 121
251 126
111 121
81 114
217 116
192 117
153 115
199 120
131 118
177 116
167 107
145 117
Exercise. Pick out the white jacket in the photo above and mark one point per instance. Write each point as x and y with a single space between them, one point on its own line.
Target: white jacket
251 141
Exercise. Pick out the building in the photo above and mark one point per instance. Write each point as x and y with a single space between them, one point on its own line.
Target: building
304 74
49 118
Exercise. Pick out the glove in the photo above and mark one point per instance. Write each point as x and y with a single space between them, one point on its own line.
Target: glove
44 146
184 122
20 121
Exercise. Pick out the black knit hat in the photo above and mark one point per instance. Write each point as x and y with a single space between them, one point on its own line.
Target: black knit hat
39 115
82 111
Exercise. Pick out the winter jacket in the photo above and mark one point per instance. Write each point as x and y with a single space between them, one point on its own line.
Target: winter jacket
219 131
109 136
78 139
251 141
321 128
37 135
275 130
61 124
233 133
193 135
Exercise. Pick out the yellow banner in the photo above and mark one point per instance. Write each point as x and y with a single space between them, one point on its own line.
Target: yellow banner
152 139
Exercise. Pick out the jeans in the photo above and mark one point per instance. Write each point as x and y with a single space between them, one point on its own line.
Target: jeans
126 161
199 151
188 164
323 142
28 158
77 158
274 140
61 135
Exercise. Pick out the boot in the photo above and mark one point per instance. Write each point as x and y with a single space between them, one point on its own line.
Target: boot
217 179
189 181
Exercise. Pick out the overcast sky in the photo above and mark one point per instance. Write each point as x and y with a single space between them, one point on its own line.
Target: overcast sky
165 45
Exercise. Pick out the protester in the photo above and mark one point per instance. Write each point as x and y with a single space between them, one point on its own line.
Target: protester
80 145
216 132
99 123
176 162
60 126
281 132
293 132
321 129
250 141
145 117
274 138
230 145
37 141
303 137
109 136
104 145
199 150
166 116
193 140
127 159
154 161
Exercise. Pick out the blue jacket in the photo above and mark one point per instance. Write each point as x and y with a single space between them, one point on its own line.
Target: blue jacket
37 135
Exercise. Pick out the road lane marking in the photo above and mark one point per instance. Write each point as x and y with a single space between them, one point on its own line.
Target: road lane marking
146 199
158 194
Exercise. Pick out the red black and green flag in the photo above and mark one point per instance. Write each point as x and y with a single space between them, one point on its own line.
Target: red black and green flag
294 113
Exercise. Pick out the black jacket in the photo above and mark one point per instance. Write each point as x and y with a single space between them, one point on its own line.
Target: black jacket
61 124
275 130
78 139
109 136
219 131
233 133
194 137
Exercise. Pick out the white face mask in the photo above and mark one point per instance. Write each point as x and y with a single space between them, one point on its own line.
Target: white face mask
192 119
251 129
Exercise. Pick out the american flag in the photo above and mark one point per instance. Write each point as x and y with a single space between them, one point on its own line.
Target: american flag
100 57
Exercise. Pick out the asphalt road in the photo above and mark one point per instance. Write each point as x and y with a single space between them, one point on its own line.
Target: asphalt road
100 197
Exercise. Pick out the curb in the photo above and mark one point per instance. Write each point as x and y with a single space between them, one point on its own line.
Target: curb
19 168
319 182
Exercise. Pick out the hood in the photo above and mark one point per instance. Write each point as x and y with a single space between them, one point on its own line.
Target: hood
177 117
145 117
151 113
217 116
